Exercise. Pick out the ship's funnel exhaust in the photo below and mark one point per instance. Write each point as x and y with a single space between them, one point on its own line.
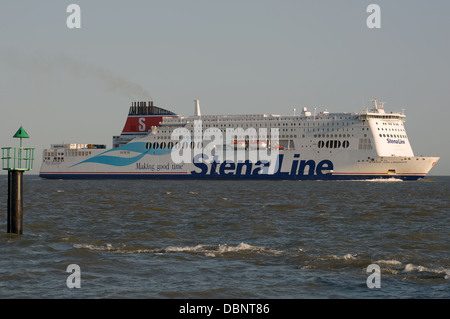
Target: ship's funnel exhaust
197 108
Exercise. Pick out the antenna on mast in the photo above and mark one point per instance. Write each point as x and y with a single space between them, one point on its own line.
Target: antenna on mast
374 104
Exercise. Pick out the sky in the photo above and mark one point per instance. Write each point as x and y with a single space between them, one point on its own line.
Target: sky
75 85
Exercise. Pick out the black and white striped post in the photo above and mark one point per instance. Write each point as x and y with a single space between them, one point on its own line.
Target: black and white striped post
16 160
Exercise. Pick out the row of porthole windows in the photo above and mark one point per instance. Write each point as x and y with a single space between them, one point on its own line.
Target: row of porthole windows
393 135
333 144
185 145
170 145
331 135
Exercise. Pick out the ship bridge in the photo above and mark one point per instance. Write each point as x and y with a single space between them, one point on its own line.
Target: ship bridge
378 112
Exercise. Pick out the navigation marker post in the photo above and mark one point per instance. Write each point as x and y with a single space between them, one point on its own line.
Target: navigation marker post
16 160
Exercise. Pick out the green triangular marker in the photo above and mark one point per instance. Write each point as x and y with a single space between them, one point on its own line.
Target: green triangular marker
21 133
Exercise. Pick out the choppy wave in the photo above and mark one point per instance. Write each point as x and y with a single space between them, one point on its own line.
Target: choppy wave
396 267
391 262
439 271
206 250
388 266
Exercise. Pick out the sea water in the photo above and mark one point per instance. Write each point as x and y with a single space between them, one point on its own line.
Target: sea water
228 239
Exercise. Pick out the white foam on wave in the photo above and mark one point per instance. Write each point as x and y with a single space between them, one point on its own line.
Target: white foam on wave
246 247
349 257
383 180
214 250
375 180
207 250
445 272
107 247
184 248
389 266
346 257
391 262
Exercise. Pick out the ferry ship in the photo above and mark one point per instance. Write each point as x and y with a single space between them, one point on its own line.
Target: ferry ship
158 143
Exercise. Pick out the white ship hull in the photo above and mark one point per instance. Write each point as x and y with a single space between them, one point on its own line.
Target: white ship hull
310 168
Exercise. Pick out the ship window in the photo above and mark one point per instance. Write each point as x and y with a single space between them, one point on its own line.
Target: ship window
163 145
155 145
364 144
